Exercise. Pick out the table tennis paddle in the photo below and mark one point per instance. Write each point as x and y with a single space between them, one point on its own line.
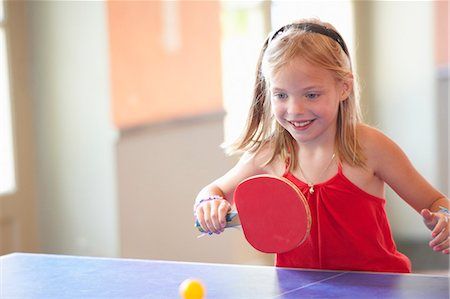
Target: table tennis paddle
273 212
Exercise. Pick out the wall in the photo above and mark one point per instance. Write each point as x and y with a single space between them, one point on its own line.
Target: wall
442 62
167 101
18 215
161 168
442 31
399 85
74 137
165 60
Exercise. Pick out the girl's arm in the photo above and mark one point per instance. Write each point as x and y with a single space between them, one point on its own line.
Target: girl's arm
214 200
392 165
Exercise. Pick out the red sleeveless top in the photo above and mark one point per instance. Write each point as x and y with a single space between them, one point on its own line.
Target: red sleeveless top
349 231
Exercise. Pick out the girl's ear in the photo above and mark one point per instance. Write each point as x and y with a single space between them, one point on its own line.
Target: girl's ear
346 87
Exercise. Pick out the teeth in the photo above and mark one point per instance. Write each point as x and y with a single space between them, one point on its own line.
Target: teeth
301 124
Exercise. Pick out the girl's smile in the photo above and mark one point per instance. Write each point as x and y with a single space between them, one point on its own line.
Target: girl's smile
301 125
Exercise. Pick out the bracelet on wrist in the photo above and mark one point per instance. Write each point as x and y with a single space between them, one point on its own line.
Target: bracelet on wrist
209 198
444 210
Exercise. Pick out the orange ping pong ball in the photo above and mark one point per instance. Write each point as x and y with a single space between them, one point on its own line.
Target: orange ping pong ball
192 289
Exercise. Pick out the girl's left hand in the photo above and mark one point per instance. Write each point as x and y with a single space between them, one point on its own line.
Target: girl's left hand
438 223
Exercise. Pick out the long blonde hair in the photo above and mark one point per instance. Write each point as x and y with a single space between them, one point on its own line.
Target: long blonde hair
318 49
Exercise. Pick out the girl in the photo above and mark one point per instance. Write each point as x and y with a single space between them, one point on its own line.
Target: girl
304 124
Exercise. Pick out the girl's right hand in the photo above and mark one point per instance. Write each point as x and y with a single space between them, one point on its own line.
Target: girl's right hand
211 215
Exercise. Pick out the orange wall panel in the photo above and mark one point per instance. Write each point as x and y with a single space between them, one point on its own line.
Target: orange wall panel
441 33
150 83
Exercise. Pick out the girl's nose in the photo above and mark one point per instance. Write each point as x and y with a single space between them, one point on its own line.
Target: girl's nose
296 106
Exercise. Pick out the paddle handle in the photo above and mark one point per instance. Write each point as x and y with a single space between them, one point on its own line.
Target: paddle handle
230 218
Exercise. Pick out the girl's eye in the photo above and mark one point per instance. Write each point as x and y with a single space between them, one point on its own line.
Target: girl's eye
280 96
312 96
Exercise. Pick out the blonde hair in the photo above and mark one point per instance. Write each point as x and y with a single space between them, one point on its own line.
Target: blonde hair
318 49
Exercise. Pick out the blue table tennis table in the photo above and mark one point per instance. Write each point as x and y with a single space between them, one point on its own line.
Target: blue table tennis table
24 275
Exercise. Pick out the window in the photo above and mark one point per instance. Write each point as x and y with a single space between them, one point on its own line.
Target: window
243 33
7 171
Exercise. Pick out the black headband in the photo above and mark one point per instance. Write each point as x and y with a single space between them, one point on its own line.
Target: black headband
314 28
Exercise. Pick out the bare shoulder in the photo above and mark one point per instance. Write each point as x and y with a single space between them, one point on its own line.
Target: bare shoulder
257 162
390 164
376 145
382 153
377 149
372 139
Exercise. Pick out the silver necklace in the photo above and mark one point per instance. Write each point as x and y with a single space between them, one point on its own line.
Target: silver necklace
308 181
